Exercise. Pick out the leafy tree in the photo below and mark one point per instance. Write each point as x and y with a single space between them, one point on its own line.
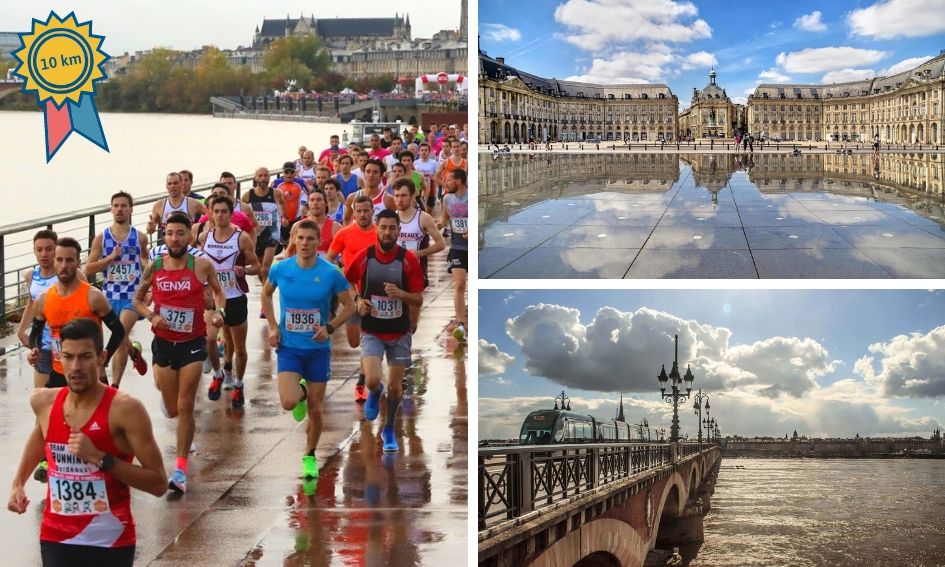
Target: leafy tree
295 58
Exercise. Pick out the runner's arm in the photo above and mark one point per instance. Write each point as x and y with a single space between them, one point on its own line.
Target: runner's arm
143 242
100 306
280 202
139 300
27 318
155 218
219 297
252 266
346 299
39 322
428 225
349 210
96 263
134 422
33 453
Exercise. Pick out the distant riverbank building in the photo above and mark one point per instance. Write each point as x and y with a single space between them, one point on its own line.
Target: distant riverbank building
515 107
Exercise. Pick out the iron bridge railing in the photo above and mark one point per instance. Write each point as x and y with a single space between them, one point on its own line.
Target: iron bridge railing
517 480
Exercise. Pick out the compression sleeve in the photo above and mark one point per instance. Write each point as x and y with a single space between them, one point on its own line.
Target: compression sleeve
118 333
36 332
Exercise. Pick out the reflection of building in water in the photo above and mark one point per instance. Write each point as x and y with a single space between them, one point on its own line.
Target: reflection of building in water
523 178
515 106
901 108
712 171
849 174
712 113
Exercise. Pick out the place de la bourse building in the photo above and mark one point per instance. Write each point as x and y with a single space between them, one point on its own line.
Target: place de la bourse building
515 106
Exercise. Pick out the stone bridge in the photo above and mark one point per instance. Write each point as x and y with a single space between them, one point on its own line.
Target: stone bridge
592 505
8 87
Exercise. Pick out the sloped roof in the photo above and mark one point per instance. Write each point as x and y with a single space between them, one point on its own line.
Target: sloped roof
340 27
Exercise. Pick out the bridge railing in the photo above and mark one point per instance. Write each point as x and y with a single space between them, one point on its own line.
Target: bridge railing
16 250
517 480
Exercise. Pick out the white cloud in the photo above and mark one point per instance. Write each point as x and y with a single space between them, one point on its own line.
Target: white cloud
597 24
910 365
772 75
699 59
846 75
810 22
500 32
898 18
821 59
740 99
626 67
492 360
904 65
618 351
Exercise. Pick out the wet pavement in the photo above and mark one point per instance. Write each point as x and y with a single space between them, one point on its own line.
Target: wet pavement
661 216
246 503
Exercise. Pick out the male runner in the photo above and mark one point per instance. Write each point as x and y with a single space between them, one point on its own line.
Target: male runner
38 280
417 228
90 434
335 202
427 167
376 151
396 146
175 201
180 332
186 183
302 336
306 168
373 170
269 207
456 216
295 196
390 285
229 181
333 140
231 251
121 251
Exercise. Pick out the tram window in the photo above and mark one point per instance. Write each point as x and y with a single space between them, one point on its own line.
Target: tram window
561 431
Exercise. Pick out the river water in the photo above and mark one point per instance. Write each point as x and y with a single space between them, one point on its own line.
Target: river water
816 512
143 148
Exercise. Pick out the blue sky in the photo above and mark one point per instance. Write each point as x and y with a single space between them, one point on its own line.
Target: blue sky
676 42
824 362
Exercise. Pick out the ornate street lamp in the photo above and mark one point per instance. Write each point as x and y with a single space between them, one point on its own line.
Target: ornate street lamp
644 425
565 401
709 426
675 396
718 435
700 400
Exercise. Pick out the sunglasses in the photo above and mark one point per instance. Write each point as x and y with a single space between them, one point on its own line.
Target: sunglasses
288 171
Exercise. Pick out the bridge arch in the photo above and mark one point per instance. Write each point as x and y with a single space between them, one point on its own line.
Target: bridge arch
693 482
599 559
601 538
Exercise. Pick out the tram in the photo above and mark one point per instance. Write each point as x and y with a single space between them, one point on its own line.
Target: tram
554 427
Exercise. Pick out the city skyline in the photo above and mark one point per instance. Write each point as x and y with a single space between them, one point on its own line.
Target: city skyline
824 363
677 43
183 26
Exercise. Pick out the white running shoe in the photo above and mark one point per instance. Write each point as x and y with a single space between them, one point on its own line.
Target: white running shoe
207 367
193 447
228 381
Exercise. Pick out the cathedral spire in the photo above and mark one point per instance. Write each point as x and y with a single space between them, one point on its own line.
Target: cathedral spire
620 414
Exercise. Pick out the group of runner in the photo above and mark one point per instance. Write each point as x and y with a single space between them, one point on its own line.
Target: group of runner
352 247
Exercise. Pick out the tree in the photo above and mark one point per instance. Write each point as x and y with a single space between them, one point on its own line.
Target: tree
296 58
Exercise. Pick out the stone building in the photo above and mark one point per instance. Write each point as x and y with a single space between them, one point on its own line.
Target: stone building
712 114
515 106
900 109
335 33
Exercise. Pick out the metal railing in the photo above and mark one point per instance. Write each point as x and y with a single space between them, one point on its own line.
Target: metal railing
16 255
517 480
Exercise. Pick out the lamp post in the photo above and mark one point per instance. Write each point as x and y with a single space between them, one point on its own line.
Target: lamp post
718 435
709 426
676 395
707 421
644 425
700 400
565 401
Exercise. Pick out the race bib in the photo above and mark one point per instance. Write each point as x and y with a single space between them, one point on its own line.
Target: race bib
121 272
384 307
265 218
178 319
74 490
227 279
410 244
302 320
55 345
459 225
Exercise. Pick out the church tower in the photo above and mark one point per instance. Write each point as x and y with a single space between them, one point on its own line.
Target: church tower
463 19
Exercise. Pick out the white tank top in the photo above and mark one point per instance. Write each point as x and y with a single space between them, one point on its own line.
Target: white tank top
224 255
411 233
170 209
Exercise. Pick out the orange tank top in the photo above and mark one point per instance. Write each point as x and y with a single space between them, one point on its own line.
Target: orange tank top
59 310
450 166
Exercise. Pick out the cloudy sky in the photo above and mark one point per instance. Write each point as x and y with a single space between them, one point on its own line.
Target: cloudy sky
675 41
183 24
828 363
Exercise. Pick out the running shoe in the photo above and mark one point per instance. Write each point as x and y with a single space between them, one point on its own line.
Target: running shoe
215 385
228 381
301 409
389 440
207 367
309 466
138 361
372 406
360 392
236 398
178 482
309 486
193 447
459 333
41 473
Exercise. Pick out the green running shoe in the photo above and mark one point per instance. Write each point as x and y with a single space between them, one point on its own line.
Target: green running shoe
301 409
309 467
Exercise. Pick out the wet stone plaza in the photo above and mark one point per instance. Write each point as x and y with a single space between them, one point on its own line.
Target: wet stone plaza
551 215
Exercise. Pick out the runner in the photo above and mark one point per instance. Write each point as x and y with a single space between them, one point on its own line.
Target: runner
244 222
336 203
376 151
38 280
306 168
268 206
360 160
70 298
390 285
175 201
229 181
186 183
93 526
295 196
396 146
373 170
121 252
333 140
456 216
327 226
180 341
348 182
454 161
232 254
307 284
417 228
427 167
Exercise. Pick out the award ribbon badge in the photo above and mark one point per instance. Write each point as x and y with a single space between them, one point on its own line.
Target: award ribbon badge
61 61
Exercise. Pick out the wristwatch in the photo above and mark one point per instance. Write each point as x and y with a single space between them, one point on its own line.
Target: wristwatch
331 328
108 462
221 311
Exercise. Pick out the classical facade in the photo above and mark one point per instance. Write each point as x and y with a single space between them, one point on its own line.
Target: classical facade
712 114
902 108
335 33
515 106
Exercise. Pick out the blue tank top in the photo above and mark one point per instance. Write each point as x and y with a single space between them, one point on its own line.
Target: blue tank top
124 274
38 286
348 187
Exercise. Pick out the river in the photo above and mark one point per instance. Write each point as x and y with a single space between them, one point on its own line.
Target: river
816 512
143 148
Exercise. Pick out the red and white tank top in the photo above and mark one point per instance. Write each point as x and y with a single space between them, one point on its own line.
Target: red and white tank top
85 506
224 255
178 299
378 201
